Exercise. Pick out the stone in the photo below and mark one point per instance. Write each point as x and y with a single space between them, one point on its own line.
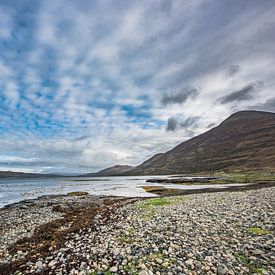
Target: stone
52 263
257 252
189 262
113 269
116 251
39 264
104 267
222 270
159 261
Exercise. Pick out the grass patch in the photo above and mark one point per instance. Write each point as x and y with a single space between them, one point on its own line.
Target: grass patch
161 201
153 256
124 239
156 202
148 206
253 268
77 193
131 269
147 215
258 231
244 177
131 230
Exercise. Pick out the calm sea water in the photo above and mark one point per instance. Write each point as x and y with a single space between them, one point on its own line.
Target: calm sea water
15 190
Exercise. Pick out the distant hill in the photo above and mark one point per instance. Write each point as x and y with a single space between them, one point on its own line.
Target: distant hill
111 171
10 174
245 141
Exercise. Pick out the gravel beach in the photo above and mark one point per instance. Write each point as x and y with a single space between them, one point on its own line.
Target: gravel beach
211 233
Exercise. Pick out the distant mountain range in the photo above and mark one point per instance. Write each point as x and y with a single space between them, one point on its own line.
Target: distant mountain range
245 141
11 174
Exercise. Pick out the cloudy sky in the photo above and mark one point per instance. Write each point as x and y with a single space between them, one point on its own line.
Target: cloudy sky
88 84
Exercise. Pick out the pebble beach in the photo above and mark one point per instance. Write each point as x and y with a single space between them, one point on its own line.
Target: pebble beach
208 233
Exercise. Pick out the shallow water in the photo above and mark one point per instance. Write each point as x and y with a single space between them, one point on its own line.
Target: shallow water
14 190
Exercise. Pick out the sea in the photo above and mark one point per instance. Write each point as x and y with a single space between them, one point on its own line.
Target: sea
15 190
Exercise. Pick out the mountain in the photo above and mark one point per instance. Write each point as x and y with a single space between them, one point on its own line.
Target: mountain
245 141
111 171
11 174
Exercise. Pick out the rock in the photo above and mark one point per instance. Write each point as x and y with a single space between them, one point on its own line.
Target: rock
222 270
104 267
257 252
113 269
39 264
189 262
143 266
116 251
159 261
52 263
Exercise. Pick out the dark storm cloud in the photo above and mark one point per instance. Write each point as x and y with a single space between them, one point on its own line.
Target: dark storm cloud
189 122
179 97
245 93
232 71
174 123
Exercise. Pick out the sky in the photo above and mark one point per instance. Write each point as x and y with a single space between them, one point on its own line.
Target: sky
89 84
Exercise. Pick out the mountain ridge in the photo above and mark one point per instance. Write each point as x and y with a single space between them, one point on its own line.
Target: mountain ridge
115 170
245 141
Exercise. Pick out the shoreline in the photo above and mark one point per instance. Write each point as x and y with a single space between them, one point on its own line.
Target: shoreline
154 189
63 216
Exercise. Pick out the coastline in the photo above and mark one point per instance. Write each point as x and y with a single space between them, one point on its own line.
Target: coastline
50 221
